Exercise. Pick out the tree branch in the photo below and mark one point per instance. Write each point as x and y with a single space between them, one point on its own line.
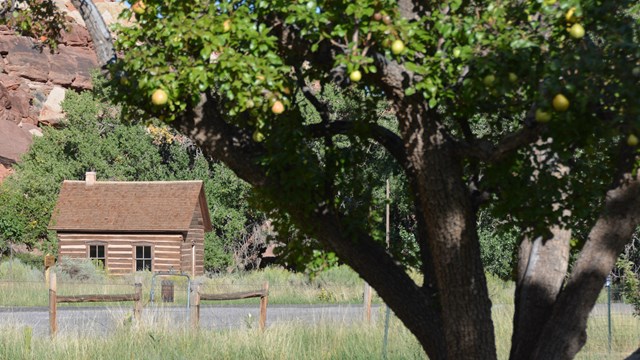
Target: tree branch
355 247
565 331
385 137
542 268
98 30
489 152
205 125
321 107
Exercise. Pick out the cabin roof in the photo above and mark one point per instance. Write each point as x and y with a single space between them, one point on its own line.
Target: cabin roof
121 206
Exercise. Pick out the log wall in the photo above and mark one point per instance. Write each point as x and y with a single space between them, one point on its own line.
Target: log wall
120 249
195 237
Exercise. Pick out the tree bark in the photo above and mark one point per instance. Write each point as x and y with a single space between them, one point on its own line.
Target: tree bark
450 222
98 30
542 267
565 332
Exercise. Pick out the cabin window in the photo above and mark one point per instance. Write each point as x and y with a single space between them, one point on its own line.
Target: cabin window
143 258
96 253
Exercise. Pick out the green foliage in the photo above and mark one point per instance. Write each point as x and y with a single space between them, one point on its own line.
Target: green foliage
523 47
29 259
361 169
630 283
16 270
40 19
498 248
464 90
95 138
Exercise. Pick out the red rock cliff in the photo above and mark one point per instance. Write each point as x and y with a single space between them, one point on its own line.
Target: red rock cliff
33 81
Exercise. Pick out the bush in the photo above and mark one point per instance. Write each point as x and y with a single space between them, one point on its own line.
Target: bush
16 270
84 270
34 261
630 284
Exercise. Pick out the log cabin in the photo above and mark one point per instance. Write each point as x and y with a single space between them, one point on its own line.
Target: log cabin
133 226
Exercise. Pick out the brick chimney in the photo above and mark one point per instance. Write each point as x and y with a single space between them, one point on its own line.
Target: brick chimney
90 178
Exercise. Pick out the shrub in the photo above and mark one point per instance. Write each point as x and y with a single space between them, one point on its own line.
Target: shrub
79 270
16 270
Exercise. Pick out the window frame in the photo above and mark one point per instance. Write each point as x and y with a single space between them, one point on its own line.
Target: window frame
98 243
150 258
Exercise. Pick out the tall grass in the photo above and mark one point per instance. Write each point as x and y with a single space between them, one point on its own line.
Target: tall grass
283 341
153 340
290 341
340 285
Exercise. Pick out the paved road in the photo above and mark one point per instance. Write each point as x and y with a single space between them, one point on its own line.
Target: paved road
102 320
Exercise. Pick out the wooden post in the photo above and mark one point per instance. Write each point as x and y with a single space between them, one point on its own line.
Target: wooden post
368 294
264 299
53 305
47 276
137 304
49 261
194 302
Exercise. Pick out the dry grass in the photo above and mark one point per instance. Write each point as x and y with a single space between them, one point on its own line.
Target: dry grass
291 341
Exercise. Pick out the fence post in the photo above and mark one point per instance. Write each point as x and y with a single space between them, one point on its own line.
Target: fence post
264 299
137 304
367 302
194 302
608 285
53 304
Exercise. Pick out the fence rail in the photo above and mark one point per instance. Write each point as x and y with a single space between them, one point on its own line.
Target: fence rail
97 298
196 297
54 300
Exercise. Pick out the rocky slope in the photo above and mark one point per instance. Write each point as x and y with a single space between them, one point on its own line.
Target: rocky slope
33 80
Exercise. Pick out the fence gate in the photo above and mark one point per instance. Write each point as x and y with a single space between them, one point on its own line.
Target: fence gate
168 289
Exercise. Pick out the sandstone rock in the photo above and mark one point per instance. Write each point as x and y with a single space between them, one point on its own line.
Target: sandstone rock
15 99
33 130
23 59
5 30
82 83
76 36
21 101
52 111
62 69
5 101
86 60
10 82
13 142
67 8
85 63
32 81
110 11
21 248
14 43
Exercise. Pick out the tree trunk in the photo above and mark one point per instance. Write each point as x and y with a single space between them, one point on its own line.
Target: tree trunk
452 234
565 332
542 267
98 30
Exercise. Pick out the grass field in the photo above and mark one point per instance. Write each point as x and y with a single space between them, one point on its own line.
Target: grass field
290 341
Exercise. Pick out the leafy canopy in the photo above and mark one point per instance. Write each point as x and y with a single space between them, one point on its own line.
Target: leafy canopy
487 67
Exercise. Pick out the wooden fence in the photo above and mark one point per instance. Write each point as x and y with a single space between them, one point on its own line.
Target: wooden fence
54 300
196 297
136 297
